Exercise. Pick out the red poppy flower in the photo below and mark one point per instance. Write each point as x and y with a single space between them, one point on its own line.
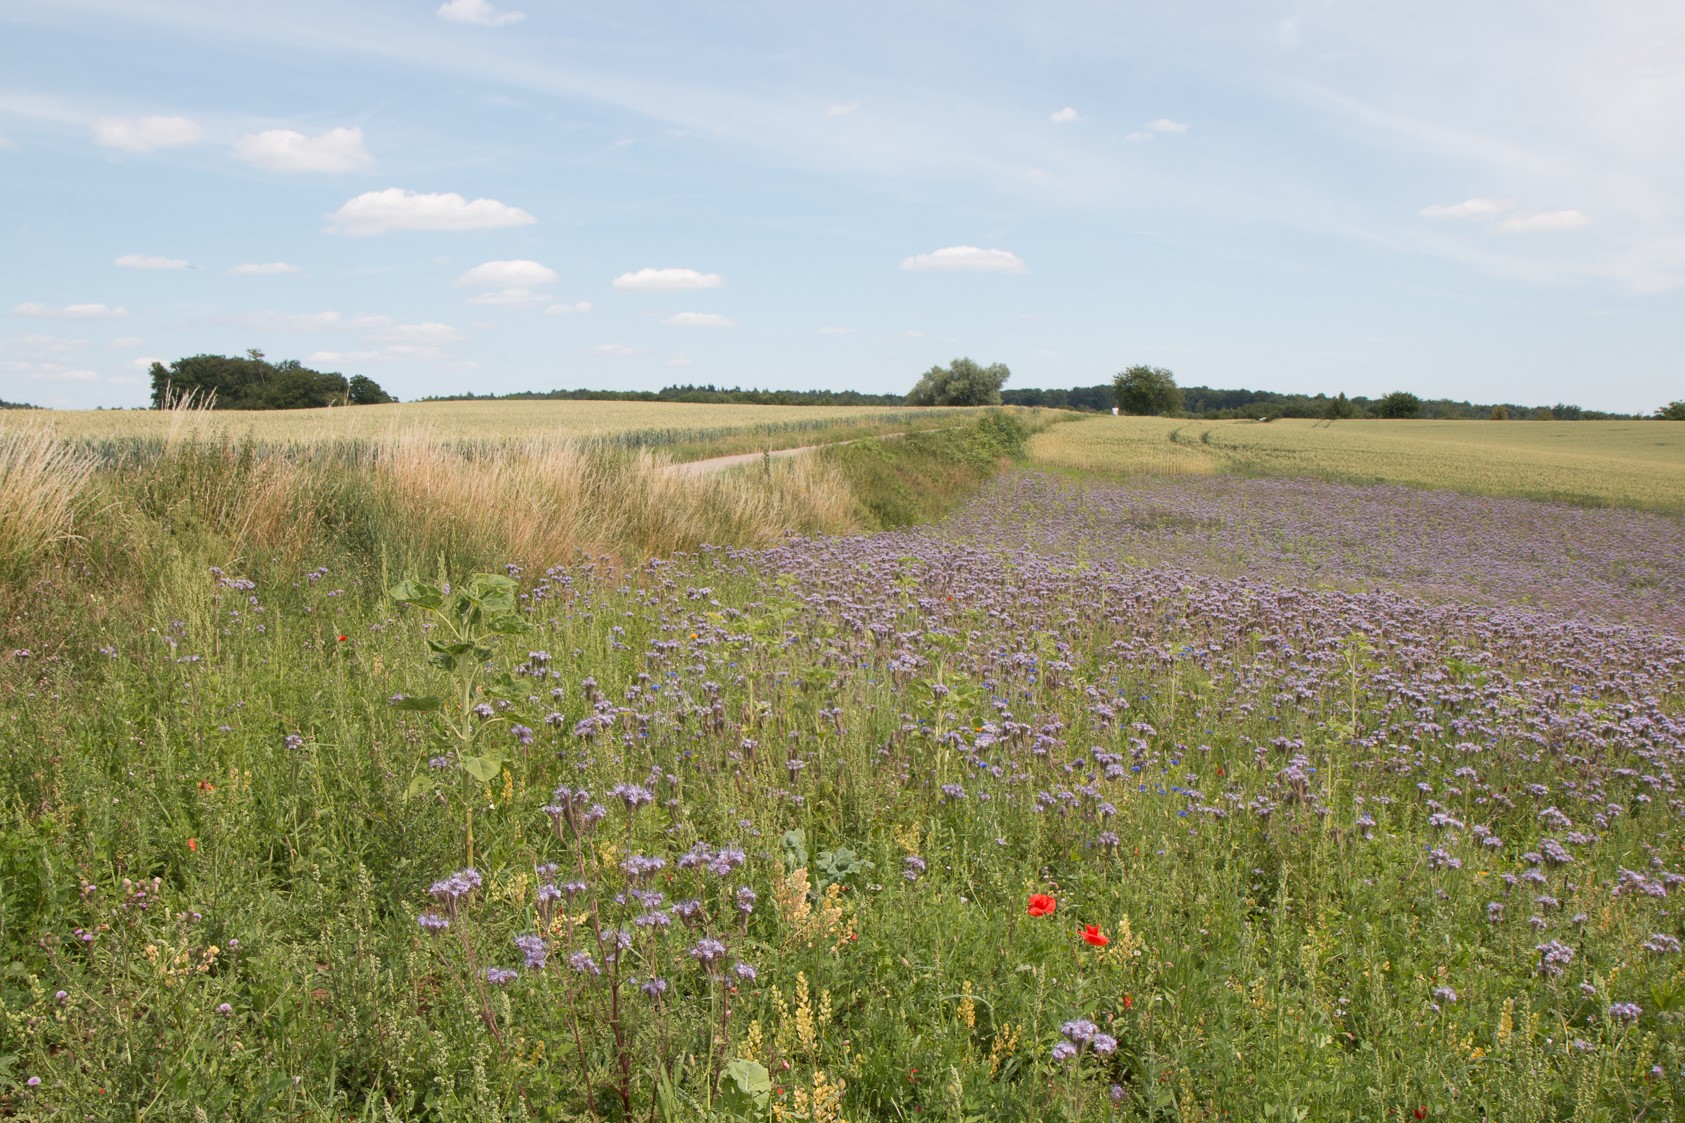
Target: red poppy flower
1042 905
1128 1002
1422 1112
193 844
342 639
1091 934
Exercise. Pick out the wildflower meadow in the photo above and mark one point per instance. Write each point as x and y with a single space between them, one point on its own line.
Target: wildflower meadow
1094 799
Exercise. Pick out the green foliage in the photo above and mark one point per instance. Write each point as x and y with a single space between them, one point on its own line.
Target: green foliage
1673 411
960 383
1398 405
908 480
1147 391
253 382
1339 409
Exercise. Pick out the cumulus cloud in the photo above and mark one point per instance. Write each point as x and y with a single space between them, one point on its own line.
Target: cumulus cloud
50 343
507 275
1137 136
568 309
667 280
1063 116
51 373
510 298
284 150
1166 125
145 362
292 321
477 12
698 320
126 380
145 134
679 360
68 311
379 212
127 341
265 269
969 258
842 110
1548 220
614 349
150 261
1468 208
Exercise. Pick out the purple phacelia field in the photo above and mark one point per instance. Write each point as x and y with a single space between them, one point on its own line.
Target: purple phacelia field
1191 799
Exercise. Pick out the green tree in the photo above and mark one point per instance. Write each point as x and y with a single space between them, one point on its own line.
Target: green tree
255 383
961 383
1673 411
1399 404
1147 391
1339 408
365 391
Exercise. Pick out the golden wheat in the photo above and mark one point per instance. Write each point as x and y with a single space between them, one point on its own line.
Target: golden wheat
1630 463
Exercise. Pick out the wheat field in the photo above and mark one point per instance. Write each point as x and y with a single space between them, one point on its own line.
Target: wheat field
478 420
1627 463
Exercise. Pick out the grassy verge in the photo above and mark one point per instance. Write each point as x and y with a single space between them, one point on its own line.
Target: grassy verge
917 478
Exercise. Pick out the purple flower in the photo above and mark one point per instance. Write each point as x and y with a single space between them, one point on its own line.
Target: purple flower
433 922
640 866
498 976
745 900
708 951
534 948
1625 1011
1080 1030
654 988
1064 1051
744 972
913 867
225 1010
632 795
521 733
582 963
1104 1044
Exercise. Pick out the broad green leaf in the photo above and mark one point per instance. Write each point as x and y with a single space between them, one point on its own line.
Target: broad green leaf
745 1089
417 702
483 768
417 593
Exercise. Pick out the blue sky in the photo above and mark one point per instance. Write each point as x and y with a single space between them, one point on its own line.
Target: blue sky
1481 201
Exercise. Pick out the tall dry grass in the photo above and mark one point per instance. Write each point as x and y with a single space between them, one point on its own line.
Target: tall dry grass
541 499
43 485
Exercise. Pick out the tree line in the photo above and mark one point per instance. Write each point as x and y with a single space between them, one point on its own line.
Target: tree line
253 382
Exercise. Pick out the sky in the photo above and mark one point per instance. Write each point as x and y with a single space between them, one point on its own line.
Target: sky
1478 201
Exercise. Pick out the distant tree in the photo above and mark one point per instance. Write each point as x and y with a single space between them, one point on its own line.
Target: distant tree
961 383
1339 408
1147 391
1500 413
255 383
1399 404
365 391
1673 411
1562 411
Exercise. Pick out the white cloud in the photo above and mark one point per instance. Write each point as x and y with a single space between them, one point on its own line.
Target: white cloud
667 280
126 341
146 362
1166 125
69 311
842 110
378 212
265 269
1468 208
7 146
679 360
51 343
477 12
126 380
57 374
614 349
292 321
340 358
284 150
698 320
1549 220
150 261
507 275
965 258
838 331
568 309
911 333
384 329
1137 136
144 134
511 298
1063 116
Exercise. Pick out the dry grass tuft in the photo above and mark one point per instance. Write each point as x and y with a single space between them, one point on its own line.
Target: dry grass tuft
42 482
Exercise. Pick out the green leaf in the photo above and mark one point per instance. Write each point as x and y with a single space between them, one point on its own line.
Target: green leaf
442 661
491 591
422 702
745 1089
418 785
484 768
508 624
416 593
449 648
